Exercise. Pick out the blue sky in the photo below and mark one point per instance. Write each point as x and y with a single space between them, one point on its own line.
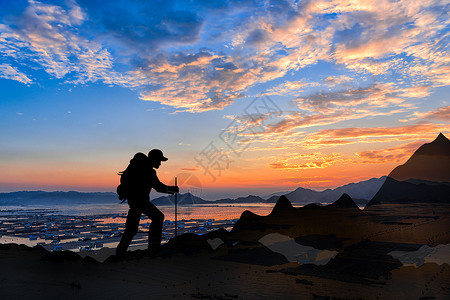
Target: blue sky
354 88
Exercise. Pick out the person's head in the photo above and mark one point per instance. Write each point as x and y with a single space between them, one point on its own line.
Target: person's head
139 159
156 157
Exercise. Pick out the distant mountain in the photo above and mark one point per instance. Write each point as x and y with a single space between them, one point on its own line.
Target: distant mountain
424 178
360 192
189 199
248 199
52 198
345 201
277 194
182 199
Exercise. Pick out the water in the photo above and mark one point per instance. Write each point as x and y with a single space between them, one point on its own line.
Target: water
216 211
94 226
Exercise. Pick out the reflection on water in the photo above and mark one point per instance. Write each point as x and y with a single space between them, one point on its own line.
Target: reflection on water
94 226
216 211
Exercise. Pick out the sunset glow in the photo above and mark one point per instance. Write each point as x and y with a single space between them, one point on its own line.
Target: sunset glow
250 97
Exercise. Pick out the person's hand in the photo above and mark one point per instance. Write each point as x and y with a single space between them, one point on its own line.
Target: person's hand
174 189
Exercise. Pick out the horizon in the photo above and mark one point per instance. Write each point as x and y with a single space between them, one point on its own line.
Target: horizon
240 96
208 196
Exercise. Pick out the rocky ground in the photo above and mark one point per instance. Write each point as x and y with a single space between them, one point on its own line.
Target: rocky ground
334 252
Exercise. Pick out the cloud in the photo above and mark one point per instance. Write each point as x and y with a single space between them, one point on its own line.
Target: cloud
416 92
357 132
374 95
442 113
356 135
9 72
205 55
42 35
351 103
191 169
144 25
315 160
194 82
337 80
394 154
379 33
288 88
325 108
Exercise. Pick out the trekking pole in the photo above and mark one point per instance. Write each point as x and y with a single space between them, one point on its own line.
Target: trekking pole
176 221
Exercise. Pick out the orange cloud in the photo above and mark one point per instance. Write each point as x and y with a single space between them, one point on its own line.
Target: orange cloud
288 87
311 161
442 113
416 92
336 80
355 132
389 155
354 135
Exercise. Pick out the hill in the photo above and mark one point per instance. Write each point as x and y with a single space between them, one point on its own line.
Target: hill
431 162
182 199
361 192
424 178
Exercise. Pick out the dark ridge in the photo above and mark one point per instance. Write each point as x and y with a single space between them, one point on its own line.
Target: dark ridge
282 205
312 206
431 162
394 191
424 178
248 199
248 220
345 201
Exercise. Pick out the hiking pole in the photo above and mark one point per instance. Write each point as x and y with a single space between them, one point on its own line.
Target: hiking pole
176 221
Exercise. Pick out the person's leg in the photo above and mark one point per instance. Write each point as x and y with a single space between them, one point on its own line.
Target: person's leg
155 231
131 228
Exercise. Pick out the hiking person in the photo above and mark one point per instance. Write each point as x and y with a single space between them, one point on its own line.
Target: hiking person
137 181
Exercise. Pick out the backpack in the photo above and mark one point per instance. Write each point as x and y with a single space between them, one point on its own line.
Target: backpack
126 177
122 188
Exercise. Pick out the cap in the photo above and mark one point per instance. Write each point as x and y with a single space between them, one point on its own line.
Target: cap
157 155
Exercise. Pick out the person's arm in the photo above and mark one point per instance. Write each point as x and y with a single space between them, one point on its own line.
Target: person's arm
161 187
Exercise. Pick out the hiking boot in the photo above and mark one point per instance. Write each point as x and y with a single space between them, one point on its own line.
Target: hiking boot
154 251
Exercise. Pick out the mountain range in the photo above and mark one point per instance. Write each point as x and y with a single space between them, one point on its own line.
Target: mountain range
361 192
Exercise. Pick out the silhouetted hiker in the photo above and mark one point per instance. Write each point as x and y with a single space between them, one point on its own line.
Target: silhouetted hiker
139 178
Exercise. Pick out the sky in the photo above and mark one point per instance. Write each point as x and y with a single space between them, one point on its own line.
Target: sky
243 97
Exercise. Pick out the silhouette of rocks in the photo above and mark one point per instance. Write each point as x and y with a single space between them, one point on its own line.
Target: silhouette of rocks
394 191
188 243
283 205
61 256
364 263
431 162
424 178
345 201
